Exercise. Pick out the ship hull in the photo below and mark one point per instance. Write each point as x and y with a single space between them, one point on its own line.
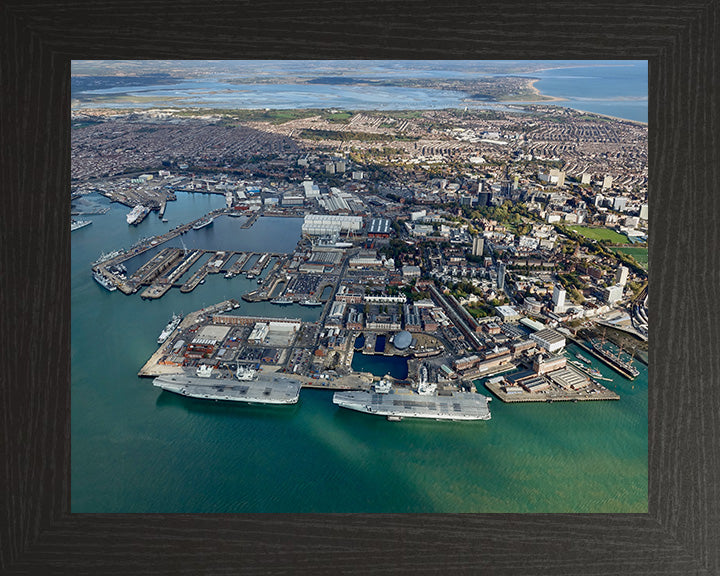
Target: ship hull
460 406
268 389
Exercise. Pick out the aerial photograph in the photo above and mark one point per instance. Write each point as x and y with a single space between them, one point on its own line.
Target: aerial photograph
387 286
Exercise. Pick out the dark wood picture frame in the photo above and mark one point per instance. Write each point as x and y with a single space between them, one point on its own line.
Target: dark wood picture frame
680 534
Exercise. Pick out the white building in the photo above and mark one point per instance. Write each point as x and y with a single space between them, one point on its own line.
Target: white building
478 245
613 293
558 299
549 339
621 275
323 224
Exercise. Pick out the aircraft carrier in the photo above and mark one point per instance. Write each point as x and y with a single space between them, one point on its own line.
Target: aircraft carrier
262 389
399 404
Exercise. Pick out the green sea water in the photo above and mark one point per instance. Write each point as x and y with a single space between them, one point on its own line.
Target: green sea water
138 449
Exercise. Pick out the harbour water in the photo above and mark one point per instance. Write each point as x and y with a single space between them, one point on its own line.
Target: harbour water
138 449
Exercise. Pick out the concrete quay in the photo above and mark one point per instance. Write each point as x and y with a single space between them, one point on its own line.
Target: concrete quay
552 395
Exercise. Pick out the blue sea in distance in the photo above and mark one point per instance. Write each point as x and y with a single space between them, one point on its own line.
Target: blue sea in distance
614 88
619 90
139 449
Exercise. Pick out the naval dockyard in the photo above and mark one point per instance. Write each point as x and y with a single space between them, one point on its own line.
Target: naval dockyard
480 294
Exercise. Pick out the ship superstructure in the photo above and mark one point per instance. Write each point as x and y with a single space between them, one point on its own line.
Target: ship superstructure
170 328
136 215
77 224
104 281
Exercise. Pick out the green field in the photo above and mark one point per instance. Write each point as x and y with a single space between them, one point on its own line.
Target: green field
600 234
640 254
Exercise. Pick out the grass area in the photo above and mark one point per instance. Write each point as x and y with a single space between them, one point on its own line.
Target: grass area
348 136
640 254
339 117
600 234
272 116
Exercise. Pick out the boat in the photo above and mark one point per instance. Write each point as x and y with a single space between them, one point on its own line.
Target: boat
263 389
136 215
311 303
250 276
165 220
399 404
582 358
281 301
105 257
202 223
614 360
77 224
170 328
104 281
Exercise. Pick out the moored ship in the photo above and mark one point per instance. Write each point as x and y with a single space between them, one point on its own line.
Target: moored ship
281 301
170 328
77 224
311 303
425 403
260 389
136 215
202 223
624 366
104 281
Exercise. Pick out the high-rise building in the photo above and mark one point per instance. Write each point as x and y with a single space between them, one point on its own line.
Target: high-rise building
644 212
558 298
501 277
621 275
585 178
613 293
619 203
478 245
607 182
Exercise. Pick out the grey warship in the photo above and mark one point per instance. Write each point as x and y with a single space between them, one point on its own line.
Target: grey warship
426 402
248 387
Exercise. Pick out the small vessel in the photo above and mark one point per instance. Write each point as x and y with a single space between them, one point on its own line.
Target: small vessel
105 257
136 215
250 276
202 223
170 328
309 302
582 358
77 224
165 220
281 301
104 281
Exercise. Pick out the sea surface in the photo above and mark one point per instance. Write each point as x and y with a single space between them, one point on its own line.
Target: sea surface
619 90
614 88
138 449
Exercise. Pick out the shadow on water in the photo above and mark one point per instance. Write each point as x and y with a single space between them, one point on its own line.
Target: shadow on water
227 408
